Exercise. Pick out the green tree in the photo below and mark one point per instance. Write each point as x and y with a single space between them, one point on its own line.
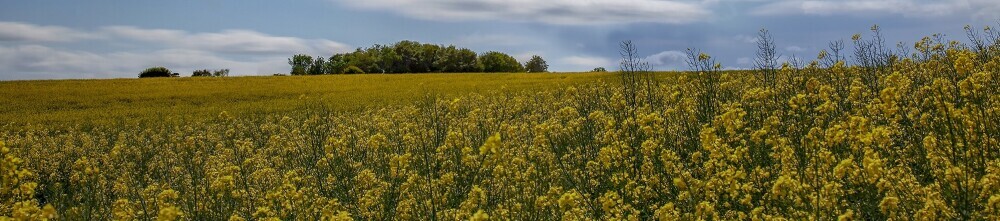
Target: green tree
499 62
410 56
300 64
452 59
428 57
387 59
536 64
318 65
599 69
365 60
336 64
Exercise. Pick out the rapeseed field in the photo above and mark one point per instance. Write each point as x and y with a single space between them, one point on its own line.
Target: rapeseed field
914 140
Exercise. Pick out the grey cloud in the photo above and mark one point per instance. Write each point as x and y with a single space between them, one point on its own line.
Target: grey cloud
559 12
229 41
668 59
28 55
979 9
41 62
17 31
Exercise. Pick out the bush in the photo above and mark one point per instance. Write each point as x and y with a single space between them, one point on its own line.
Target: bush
202 73
155 72
353 70
221 73
599 69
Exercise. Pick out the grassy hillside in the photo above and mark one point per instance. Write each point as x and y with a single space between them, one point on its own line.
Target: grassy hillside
80 101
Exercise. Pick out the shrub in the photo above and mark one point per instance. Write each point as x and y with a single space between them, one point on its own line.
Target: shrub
353 70
201 73
221 73
155 72
599 69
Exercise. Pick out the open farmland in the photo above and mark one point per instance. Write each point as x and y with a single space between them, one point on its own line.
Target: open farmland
104 101
917 140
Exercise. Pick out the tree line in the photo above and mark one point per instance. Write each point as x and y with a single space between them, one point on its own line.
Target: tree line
160 71
412 57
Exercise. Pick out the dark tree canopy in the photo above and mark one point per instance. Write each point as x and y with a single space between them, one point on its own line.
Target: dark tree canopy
300 64
499 62
155 72
536 64
410 57
452 59
210 73
202 73
317 66
221 73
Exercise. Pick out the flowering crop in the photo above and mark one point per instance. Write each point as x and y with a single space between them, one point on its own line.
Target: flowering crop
822 143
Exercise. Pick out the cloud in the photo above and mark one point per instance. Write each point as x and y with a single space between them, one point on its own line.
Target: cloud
17 32
558 12
586 62
37 58
27 55
982 9
228 41
494 39
524 57
673 60
41 62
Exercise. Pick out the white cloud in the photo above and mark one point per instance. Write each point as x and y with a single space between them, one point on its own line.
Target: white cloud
17 31
668 60
242 51
586 62
524 57
980 9
37 58
493 39
560 12
41 62
229 41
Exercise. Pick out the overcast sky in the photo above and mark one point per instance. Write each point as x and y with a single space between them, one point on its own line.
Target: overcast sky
55 39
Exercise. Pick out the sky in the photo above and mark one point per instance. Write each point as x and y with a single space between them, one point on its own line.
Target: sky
71 39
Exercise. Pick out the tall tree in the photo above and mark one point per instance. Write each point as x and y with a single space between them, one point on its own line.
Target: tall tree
409 56
317 67
364 60
300 64
452 59
536 64
428 55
